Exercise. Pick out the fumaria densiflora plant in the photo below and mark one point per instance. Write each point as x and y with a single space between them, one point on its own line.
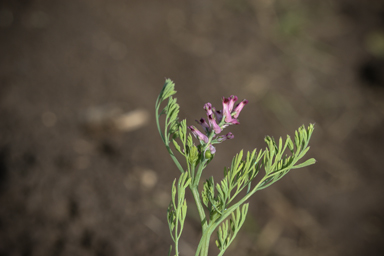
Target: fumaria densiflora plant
218 204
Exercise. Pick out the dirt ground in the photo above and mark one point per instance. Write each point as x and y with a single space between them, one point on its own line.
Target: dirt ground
82 167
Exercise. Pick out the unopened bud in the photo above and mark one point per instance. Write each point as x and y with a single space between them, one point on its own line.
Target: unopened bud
207 154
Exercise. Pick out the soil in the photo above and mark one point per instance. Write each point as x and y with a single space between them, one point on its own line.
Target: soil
83 170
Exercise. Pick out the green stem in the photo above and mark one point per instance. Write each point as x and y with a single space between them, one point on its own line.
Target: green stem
200 169
203 247
174 159
194 188
177 235
200 209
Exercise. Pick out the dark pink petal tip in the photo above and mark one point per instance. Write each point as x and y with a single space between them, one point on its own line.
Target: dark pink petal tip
204 124
239 107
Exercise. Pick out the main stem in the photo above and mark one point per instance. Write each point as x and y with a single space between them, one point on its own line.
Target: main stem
205 239
204 244
200 208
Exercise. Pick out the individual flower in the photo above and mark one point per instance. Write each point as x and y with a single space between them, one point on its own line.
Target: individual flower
218 114
212 149
213 124
198 134
208 108
222 138
239 107
227 109
205 125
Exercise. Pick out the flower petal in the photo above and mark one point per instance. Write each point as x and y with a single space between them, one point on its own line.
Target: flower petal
212 149
230 136
222 138
198 134
239 107
213 124
232 101
208 108
226 111
218 114
205 125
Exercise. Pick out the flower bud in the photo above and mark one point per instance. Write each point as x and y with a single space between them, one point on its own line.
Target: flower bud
208 154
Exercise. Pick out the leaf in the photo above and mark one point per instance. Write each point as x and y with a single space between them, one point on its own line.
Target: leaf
177 147
207 193
305 164
168 90
227 232
275 166
193 155
177 209
290 144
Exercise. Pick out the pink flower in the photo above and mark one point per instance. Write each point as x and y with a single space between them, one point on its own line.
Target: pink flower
228 136
218 114
208 108
212 149
198 134
232 101
205 125
239 107
216 123
227 109
213 124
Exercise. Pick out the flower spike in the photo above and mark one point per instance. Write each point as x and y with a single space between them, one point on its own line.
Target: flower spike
215 123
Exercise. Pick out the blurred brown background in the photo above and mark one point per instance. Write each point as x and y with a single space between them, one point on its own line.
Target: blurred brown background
83 170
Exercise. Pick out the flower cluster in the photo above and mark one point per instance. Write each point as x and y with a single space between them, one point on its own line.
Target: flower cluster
217 121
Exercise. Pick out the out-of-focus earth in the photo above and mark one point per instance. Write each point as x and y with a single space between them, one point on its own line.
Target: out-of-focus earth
83 170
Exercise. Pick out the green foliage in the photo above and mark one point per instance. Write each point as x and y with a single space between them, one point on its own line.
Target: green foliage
173 128
276 164
227 210
227 233
177 209
192 151
168 90
236 178
242 172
